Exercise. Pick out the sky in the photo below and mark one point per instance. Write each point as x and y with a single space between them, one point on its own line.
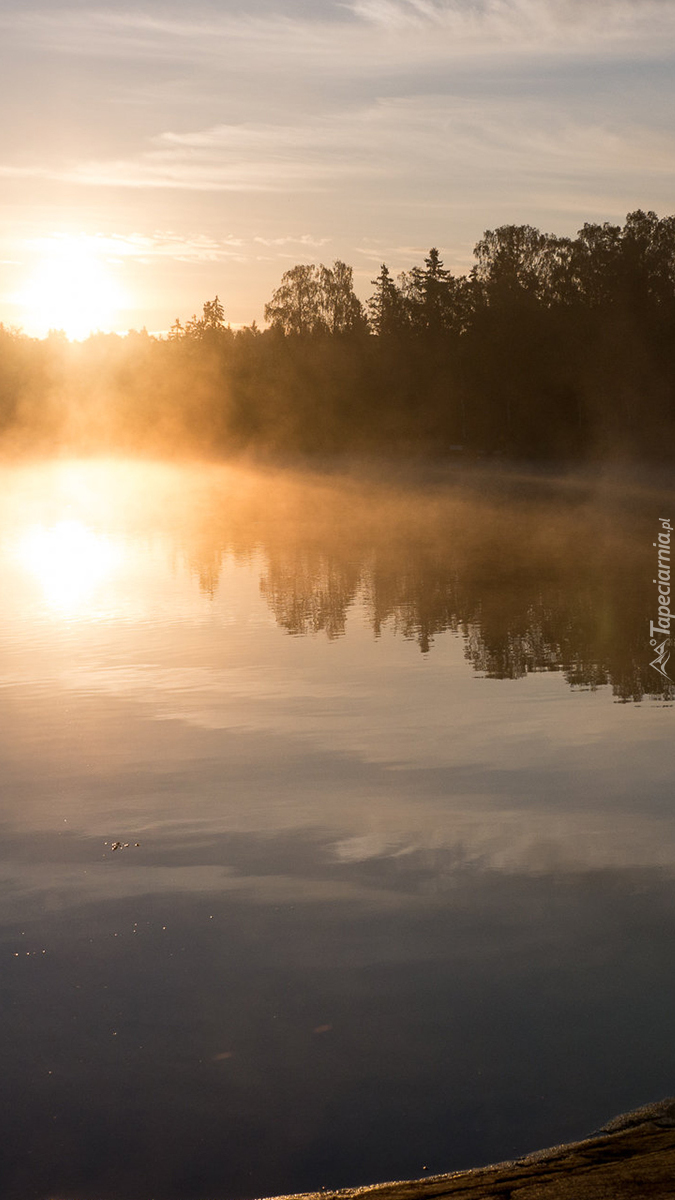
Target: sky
156 155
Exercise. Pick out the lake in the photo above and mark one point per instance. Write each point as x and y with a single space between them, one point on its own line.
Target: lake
337 823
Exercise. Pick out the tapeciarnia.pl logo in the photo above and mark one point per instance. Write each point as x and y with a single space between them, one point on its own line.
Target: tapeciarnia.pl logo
657 629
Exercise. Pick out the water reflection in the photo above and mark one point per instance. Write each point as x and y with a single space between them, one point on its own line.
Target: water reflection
69 561
382 914
534 575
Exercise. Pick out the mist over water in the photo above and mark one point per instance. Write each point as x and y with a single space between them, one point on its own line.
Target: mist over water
390 776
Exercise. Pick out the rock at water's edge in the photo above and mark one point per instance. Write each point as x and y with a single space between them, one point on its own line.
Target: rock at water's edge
631 1158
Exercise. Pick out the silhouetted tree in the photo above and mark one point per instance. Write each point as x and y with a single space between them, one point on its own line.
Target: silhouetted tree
342 310
315 300
386 307
295 307
510 260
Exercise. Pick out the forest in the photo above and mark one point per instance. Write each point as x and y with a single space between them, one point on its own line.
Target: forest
549 348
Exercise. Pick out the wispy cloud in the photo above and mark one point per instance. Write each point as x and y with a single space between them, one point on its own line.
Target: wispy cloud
415 31
451 139
305 241
198 248
564 26
249 158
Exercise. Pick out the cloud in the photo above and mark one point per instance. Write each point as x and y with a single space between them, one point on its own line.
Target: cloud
247 157
198 248
386 54
415 31
562 26
305 239
444 142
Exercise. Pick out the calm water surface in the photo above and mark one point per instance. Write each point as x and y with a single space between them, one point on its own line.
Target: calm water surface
401 780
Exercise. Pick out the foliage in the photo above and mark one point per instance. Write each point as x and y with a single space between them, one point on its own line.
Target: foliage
316 300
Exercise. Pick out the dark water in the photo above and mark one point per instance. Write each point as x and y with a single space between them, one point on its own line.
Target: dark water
401 779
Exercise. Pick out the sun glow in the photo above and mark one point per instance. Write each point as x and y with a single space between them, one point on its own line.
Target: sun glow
70 562
72 289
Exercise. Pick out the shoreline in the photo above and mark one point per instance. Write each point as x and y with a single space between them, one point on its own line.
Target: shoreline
629 1158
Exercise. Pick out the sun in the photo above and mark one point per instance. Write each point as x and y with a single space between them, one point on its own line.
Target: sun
72 289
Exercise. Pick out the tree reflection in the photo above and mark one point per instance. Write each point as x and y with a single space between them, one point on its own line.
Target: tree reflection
533 576
310 592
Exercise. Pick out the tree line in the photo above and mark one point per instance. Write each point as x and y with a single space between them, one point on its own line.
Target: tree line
548 348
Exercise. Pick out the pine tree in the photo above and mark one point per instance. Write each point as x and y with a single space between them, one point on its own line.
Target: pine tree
386 308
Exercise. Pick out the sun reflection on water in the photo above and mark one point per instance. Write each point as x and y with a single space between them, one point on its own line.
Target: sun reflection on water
70 562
